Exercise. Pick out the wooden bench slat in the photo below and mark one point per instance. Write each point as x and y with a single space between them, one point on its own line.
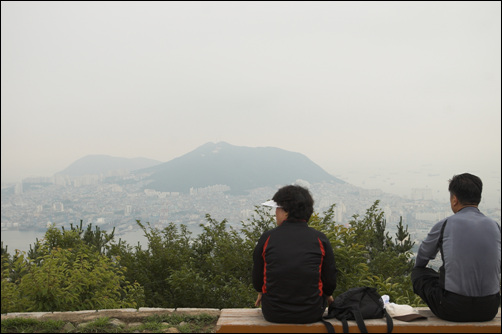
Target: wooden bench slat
252 321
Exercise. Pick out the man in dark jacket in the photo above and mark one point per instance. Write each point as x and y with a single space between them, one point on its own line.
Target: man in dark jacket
294 268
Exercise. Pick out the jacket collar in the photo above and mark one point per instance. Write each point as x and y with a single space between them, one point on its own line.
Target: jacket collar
469 209
294 221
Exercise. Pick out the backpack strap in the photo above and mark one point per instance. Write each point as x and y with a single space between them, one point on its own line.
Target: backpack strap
390 323
359 320
345 324
342 317
440 245
329 326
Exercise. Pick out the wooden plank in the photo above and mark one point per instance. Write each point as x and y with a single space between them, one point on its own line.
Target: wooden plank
252 321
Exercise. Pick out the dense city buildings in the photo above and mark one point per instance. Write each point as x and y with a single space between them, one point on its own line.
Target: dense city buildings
118 202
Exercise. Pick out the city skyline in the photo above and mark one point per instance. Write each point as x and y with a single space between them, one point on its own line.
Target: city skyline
389 95
28 212
389 184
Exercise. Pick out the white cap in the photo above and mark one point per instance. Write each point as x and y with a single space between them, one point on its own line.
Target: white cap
271 204
403 312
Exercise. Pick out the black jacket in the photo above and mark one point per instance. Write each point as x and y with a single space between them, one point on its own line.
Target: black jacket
294 267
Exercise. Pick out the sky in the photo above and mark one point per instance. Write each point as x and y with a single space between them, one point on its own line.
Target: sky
390 95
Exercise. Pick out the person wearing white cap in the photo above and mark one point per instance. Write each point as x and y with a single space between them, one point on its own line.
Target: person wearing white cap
467 287
294 269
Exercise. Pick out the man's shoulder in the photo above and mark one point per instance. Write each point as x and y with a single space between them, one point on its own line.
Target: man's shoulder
440 223
266 234
318 233
472 214
269 232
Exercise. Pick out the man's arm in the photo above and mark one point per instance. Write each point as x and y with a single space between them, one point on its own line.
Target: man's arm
258 265
429 247
328 270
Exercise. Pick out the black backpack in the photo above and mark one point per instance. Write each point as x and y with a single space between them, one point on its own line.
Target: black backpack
358 304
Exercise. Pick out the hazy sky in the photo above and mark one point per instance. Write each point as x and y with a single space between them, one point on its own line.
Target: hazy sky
381 94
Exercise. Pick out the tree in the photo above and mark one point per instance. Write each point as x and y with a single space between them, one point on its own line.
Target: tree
389 261
74 277
350 255
221 257
167 252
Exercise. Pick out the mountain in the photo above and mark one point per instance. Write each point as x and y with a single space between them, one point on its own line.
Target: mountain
240 168
103 164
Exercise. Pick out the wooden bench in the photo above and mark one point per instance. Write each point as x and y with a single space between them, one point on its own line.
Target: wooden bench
252 321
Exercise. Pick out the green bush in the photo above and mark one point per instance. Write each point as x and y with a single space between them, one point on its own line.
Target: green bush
366 255
65 279
71 270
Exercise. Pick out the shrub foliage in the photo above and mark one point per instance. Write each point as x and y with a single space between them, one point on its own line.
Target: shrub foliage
75 269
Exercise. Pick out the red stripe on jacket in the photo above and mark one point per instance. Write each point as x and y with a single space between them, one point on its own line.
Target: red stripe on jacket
320 266
264 287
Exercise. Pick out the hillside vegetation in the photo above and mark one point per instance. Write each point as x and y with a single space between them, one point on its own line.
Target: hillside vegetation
84 269
241 168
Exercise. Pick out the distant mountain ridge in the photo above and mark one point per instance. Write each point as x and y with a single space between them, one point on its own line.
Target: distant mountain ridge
241 168
102 164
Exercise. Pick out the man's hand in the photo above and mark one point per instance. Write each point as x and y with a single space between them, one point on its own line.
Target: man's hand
330 300
258 300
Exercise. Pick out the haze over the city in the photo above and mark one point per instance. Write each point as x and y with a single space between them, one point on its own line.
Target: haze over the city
389 95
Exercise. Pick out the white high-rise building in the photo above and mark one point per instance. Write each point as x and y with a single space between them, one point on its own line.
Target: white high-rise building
18 189
128 210
424 194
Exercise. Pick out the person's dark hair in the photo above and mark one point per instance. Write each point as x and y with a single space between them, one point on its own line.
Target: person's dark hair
296 201
467 188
